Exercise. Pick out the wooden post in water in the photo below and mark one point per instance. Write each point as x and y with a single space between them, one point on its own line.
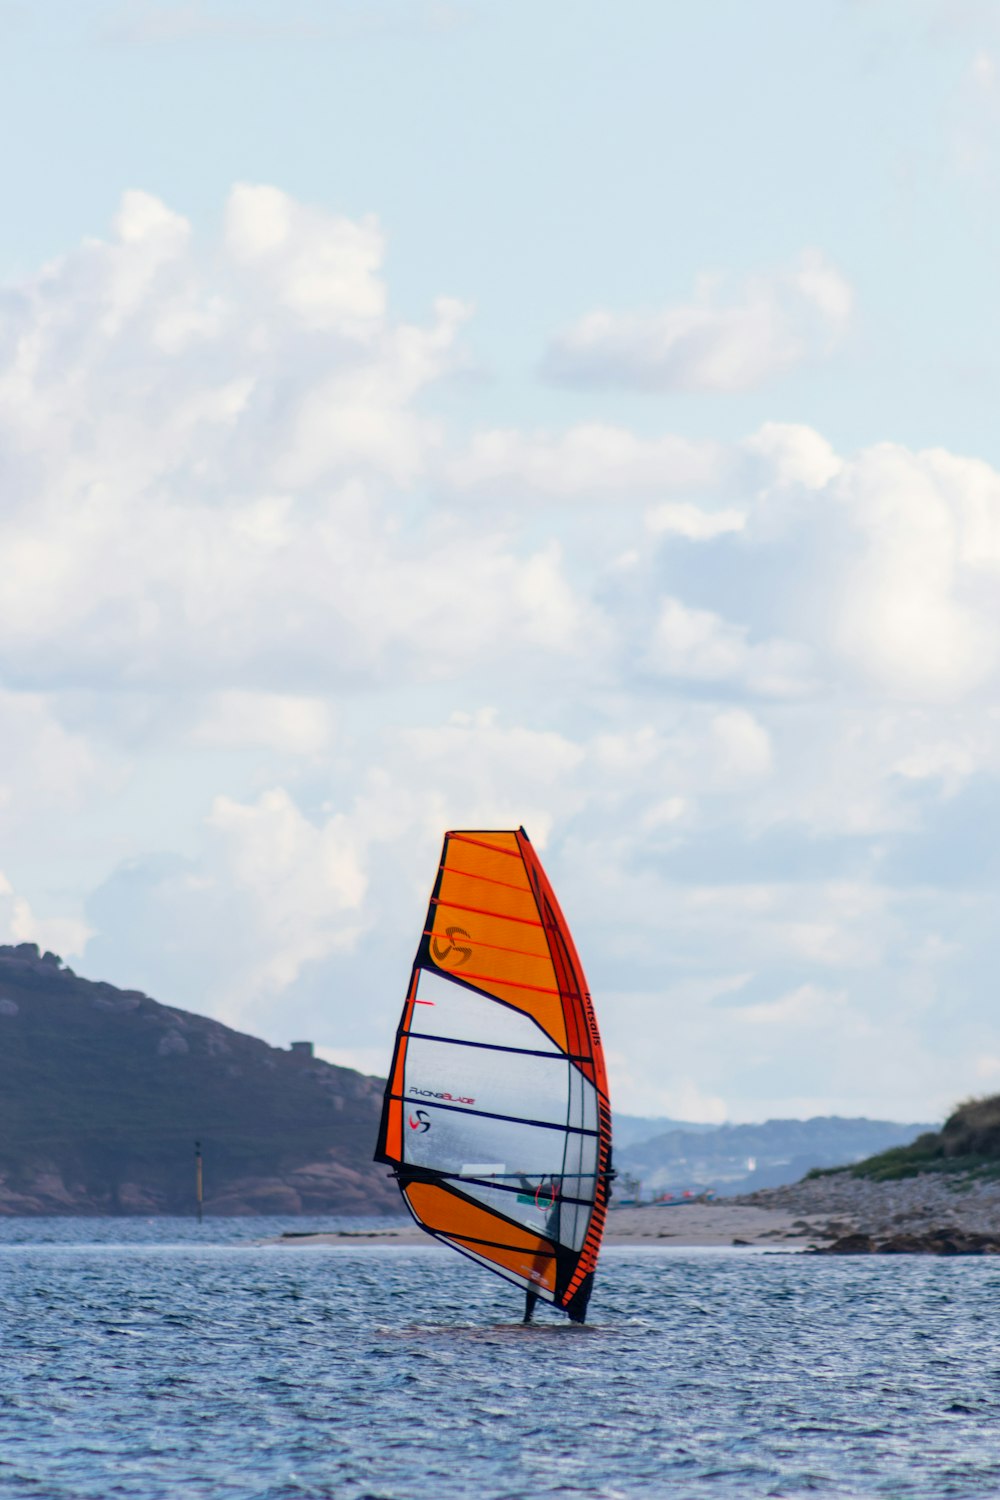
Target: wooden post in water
198 1186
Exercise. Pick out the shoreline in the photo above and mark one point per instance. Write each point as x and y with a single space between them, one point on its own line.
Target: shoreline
686 1226
937 1213
934 1213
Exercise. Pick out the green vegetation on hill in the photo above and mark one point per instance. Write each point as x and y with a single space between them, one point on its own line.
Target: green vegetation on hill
103 1093
968 1141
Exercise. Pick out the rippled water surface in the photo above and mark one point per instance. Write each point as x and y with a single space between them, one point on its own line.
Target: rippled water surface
181 1362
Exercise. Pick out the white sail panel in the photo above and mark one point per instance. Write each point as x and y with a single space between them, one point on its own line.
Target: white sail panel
532 1119
444 1008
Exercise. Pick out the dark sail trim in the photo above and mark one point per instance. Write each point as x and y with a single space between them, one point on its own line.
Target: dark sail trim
469 1239
457 1041
381 1144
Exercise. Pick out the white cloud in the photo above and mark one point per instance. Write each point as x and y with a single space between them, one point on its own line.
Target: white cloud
305 884
983 72
244 482
663 814
744 743
834 924
592 460
698 645
792 455
276 721
672 1096
808 1005
949 761
975 110
891 580
65 935
44 764
918 607
680 518
662 773
708 344
476 773
321 268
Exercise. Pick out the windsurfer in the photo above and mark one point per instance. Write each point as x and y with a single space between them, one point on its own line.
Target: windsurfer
546 1196
538 1086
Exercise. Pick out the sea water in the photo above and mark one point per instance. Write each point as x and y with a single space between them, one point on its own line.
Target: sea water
159 1359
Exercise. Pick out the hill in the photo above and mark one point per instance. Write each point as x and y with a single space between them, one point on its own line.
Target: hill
968 1141
103 1093
742 1158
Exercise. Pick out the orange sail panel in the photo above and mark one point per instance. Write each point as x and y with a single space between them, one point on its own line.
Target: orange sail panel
496 1114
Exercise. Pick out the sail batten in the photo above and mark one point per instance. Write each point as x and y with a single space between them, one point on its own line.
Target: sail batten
517 984
467 838
495 947
489 1114
457 1041
496 1115
483 911
509 885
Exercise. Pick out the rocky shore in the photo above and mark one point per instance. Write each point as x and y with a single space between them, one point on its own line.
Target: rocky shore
935 1213
317 1187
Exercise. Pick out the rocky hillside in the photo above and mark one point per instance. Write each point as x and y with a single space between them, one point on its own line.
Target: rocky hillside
103 1093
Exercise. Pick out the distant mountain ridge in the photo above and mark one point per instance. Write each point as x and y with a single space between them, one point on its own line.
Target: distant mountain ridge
103 1093
741 1158
632 1130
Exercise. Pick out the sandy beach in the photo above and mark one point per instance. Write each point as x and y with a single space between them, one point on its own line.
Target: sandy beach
691 1224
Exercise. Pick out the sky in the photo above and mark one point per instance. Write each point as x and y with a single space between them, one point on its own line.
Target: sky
419 414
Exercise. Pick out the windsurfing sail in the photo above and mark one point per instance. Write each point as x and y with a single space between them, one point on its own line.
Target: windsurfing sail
496 1115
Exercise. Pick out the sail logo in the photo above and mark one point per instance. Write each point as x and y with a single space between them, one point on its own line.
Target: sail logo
442 952
421 1123
447 1098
